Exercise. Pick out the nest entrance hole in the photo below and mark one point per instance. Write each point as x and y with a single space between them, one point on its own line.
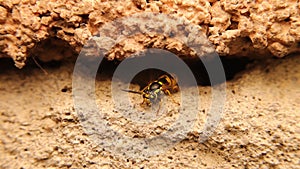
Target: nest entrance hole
232 67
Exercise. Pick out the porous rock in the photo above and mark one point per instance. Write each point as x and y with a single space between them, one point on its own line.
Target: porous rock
236 28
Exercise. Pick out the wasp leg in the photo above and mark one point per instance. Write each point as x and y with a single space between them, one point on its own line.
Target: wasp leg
157 112
169 94
174 100
146 103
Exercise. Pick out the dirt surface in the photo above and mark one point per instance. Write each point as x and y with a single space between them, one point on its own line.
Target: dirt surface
39 127
236 28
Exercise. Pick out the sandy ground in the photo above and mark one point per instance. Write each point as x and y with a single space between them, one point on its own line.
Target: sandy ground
260 128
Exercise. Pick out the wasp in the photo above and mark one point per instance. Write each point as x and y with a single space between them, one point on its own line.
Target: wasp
154 91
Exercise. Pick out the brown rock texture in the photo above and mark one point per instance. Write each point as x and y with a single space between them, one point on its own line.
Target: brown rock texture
236 28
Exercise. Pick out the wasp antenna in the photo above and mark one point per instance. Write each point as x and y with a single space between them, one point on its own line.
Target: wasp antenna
37 63
132 91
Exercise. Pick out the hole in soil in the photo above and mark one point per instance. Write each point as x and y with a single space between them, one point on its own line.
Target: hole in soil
232 66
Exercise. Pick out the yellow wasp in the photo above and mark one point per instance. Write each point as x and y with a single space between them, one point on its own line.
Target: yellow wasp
153 92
